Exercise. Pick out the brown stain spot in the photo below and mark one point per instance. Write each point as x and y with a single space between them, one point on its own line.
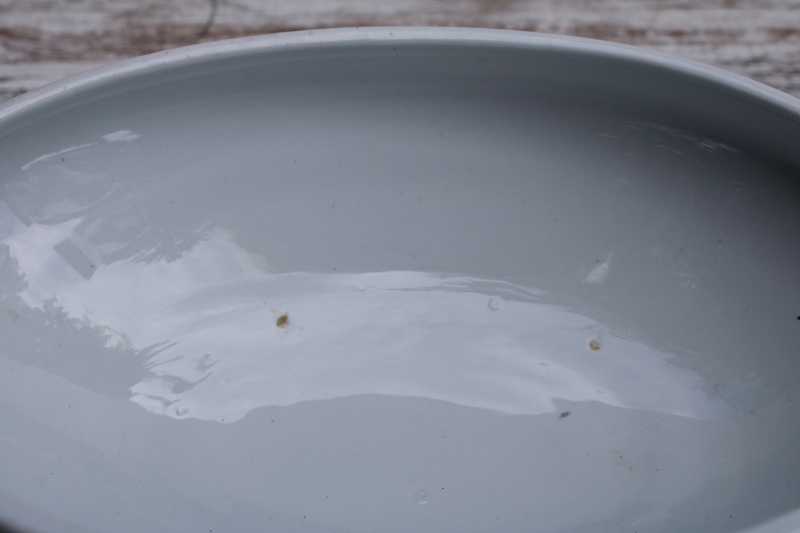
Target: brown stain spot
622 462
594 344
283 321
780 34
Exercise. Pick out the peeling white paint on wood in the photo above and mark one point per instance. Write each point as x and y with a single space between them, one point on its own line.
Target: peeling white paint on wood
44 40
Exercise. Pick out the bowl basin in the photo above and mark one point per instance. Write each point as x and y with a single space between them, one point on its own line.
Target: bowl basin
399 279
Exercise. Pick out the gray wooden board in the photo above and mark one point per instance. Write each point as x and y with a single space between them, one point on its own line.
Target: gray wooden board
42 41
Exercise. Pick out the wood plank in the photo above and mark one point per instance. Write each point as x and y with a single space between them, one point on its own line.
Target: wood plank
44 40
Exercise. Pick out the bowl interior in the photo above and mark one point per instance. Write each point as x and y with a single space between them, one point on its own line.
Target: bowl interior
399 285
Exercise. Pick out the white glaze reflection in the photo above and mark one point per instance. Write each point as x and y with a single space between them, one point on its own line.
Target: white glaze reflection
47 157
117 136
122 135
228 337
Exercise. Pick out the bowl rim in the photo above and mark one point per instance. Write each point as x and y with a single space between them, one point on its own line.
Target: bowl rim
276 42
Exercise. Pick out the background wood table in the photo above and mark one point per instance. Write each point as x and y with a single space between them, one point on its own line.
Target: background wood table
44 40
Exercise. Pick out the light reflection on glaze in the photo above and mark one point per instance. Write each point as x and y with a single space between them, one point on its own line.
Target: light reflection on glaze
210 317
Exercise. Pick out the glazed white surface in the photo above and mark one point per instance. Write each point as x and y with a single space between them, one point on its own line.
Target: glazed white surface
370 287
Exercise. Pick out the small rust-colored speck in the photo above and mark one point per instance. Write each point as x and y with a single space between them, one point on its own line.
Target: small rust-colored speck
594 344
282 321
565 414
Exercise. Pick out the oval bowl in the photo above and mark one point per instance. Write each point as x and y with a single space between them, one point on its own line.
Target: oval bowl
400 279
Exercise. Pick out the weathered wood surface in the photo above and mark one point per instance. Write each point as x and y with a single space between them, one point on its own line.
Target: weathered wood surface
44 40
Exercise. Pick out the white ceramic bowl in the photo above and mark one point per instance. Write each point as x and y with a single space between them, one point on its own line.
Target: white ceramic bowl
400 280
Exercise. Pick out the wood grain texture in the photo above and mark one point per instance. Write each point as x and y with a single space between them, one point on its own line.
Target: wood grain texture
44 40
